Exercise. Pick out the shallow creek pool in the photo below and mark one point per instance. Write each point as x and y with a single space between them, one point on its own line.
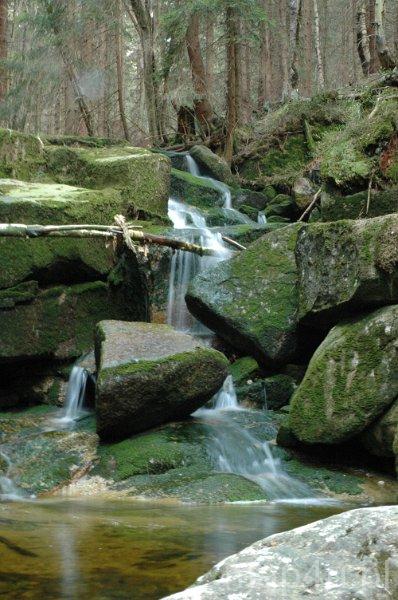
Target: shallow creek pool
73 549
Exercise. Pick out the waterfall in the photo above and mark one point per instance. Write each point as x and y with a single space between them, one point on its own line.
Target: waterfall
261 218
193 168
232 449
8 489
191 226
73 406
226 397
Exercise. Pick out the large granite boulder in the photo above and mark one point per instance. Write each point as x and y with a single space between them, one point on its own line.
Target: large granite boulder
251 300
142 176
350 381
149 374
346 266
350 556
213 165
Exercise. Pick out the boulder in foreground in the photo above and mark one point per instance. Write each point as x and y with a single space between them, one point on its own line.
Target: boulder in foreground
350 381
150 374
352 555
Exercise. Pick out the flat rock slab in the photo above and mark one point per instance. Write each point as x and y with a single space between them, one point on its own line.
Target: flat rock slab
352 556
149 374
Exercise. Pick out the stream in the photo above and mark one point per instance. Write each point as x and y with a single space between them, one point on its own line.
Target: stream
102 548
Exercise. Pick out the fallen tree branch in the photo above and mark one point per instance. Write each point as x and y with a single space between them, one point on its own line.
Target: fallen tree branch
310 206
232 242
21 230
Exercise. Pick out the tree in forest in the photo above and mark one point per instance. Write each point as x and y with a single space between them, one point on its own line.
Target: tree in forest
3 47
386 59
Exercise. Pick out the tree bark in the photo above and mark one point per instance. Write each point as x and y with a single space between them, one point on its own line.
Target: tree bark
363 37
386 59
231 122
119 70
317 39
295 27
3 48
203 110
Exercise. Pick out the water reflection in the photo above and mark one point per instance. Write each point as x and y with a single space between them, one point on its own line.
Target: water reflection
74 549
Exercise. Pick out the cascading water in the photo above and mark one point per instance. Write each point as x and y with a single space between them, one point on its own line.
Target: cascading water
233 449
73 407
191 226
261 218
193 168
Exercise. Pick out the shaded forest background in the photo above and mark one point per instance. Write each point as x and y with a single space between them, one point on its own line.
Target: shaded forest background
160 71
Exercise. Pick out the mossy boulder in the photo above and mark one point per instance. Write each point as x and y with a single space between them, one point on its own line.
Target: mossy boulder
346 266
375 203
281 206
58 323
142 177
350 381
243 369
21 155
378 439
270 393
257 201
251 300
213 165
303 192
57 204
195 191
149 374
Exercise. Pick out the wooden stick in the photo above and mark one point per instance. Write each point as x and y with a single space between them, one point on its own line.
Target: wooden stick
99 231
310 206
233 242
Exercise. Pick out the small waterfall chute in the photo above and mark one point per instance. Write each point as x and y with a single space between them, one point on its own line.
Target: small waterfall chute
226 398
194 169
261 218
74 399
8 488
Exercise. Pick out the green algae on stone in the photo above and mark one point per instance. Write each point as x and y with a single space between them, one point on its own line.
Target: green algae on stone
58 324
350 381
251 300
21 155
213 165
243 369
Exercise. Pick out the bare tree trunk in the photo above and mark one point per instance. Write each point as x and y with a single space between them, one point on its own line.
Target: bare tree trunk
3 48
209 55
306 79
386 59
284 50
265 65
119 69
143 21
231 27
203 110
295 27
363 37
317 38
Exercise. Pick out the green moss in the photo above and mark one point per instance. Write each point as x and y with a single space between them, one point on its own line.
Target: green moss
194 190
360 205
21 155
243 369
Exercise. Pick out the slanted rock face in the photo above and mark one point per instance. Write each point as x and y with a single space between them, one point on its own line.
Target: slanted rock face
351 379
194 190
379 438
251 300
213 164
149 374
346 265
359 206
352 555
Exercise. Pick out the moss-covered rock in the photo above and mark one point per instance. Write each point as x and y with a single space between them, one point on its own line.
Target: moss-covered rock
142 177
58 323
243 369
195 191
149 374
213 165
347 265
21 155
270 393
351 380
251 300
359 206
257 201
281 206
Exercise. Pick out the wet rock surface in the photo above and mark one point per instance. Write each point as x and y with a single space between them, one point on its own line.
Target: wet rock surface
352 555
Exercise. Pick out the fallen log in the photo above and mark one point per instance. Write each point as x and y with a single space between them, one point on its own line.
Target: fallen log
127 233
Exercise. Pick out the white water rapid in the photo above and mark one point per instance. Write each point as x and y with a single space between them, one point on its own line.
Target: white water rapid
194 169
73 406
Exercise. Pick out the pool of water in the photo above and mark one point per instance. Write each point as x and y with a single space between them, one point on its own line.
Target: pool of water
73 549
